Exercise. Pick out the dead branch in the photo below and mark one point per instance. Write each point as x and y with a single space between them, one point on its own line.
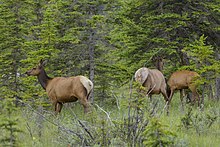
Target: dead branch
107 114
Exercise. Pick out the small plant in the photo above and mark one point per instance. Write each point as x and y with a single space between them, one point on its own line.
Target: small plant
156 134
186 120
199 121
9 124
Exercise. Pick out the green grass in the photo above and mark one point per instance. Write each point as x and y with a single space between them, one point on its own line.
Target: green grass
47 133
190 137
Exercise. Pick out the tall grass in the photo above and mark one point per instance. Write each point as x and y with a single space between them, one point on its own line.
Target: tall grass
108 124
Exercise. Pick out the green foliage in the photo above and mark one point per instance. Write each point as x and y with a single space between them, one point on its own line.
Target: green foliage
157 135
9 124
112 126
114 38
202 56
198 121
144 31
199 51
202 60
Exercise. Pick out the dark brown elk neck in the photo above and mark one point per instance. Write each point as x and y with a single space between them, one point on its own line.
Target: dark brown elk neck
43 78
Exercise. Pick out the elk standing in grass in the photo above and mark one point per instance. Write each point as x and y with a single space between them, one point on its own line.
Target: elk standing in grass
63 89
153 80
184 79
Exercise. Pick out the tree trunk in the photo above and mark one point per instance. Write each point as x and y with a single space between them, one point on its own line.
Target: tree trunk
217 85
210 92
91 63
159 63
184 59
217 81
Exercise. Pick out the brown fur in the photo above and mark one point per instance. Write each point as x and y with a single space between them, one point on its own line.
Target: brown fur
184 79
153 80
63 90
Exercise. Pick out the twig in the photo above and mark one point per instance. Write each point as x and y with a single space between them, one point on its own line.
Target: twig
86 129
82 125
108 115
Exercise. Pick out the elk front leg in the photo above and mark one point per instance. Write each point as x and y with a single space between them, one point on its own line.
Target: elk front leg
59 107
171 95
195 95
85 104
181 99
54 105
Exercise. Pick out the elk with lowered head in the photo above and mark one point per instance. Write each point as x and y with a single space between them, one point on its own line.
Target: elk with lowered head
153 80
63 89
184 79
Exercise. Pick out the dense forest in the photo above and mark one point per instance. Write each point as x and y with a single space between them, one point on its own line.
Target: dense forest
107 41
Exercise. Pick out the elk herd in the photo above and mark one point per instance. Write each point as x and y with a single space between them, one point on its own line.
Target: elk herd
62 90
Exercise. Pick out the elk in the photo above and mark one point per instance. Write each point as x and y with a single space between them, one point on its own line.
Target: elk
184 79
63 89
153 80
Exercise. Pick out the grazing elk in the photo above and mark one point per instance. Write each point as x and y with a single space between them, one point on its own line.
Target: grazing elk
63 89
153 80
184 79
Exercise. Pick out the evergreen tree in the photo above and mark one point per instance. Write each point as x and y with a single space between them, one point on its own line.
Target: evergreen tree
13 29
82 45
145 30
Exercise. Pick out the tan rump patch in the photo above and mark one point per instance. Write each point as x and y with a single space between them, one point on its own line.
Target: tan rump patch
86 83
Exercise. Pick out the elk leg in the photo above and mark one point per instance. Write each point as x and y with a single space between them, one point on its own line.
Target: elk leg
195 95
169 100
54 104
59 107
164 93
166 100
85 104
171 96
181 99
188 97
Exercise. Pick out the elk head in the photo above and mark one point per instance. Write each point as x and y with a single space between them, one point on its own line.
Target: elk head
36 70
141 75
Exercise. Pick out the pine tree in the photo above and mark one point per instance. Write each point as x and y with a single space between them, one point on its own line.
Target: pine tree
13 27
148 30
83 44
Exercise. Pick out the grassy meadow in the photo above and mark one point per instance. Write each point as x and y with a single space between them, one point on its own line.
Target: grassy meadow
113 119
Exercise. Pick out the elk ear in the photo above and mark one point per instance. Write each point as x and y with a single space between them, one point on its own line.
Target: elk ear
42 63
144 74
